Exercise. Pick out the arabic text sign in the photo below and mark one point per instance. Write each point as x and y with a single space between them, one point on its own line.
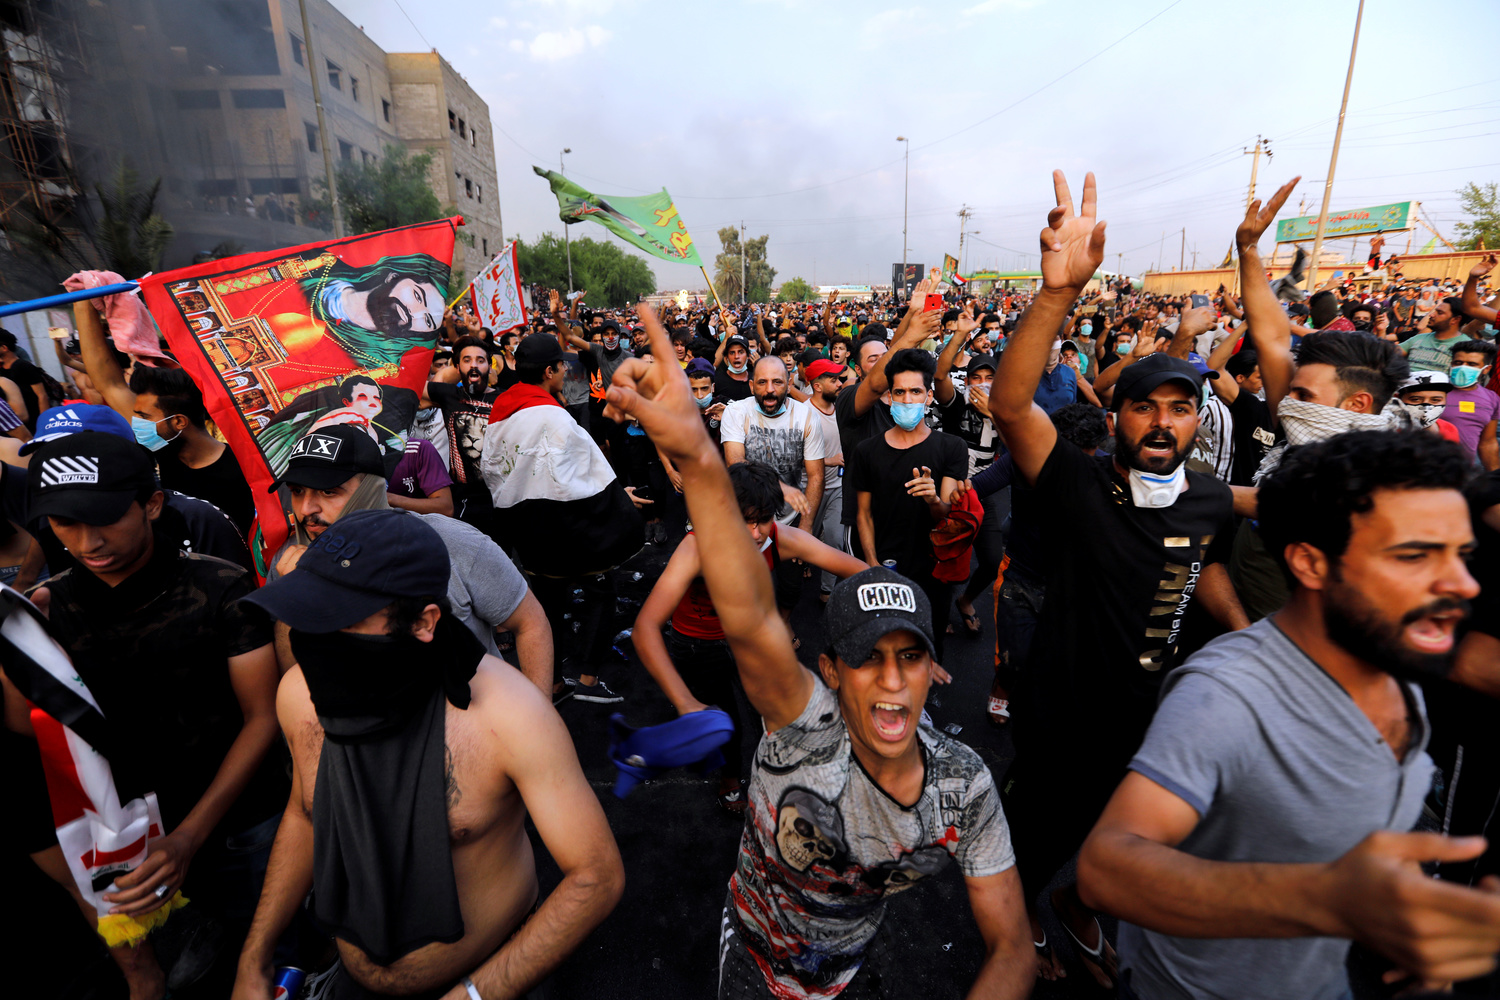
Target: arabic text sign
1355 222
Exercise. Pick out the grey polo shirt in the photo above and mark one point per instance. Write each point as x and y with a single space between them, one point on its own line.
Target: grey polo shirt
1281 766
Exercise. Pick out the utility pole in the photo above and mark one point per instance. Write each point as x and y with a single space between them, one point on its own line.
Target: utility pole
905 203
1182 254
1261 146
1161 246
1333 161
1195 256
567 237
963 215
744 291
312 64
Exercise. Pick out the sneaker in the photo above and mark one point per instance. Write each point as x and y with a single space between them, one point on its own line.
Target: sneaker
558 697
599 693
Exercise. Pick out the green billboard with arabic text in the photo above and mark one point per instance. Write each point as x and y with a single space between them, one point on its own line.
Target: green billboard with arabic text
1341 225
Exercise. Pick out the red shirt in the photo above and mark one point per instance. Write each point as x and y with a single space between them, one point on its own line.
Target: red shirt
695 616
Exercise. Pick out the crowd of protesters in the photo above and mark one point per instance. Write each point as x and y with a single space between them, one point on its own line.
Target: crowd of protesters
1242 549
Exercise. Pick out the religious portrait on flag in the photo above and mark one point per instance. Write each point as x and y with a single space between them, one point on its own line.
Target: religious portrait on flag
287 342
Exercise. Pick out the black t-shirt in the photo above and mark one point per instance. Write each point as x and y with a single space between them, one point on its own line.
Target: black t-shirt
465 418
729 387
854 429
962 420
1253 436
1117 593
504 377
154 652
25 375
220 482
902 522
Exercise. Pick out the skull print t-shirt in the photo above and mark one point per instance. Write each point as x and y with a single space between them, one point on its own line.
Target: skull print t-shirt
824 845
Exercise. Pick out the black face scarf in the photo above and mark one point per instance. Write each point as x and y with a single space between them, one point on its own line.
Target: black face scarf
382 862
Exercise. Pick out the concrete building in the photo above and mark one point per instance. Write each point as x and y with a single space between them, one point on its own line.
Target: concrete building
214 97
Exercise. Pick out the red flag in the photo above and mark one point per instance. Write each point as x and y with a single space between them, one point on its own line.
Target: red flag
281 343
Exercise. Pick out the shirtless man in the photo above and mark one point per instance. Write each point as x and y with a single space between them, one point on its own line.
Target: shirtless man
419 907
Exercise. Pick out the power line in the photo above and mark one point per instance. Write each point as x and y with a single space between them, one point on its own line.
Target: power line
415 28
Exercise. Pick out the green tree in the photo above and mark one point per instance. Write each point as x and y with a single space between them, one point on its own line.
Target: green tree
758 273
394 190
611 276
796 290
128 237
1480 201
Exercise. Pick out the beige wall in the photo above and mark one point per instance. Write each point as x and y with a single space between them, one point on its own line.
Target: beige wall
1207 281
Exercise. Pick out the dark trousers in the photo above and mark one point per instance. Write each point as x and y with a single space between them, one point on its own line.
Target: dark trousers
580 610
707 668
989 546
1017 608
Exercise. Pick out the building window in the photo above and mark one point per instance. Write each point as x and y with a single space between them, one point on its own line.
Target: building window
473 137
312 137
191 100
366 157
335 76
479 192
463 132
385 109
452 121
258 98
297 50
354 88
486 248
468 187
346 151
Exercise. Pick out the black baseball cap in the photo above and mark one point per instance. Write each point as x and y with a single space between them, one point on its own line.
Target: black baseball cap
736 342
540 349
979 361
358 565
1141 379
89 476
328 457
871 604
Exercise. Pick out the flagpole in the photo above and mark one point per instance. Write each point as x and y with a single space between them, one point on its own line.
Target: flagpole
711 288
1333 160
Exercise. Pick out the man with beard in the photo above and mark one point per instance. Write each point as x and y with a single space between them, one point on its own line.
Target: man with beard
379 312
1432 350
1160 536
1263 821
785 434
466 412
166 412
339 471
417 759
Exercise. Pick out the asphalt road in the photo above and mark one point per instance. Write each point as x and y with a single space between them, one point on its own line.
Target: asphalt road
678 845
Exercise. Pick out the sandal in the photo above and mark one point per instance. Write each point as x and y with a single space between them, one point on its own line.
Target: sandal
734 801
971 624
1093 956
1046 959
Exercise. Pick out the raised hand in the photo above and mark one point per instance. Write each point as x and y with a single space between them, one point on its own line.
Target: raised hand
1258 217
1485 266
967 324
658 396
554 300
1073 242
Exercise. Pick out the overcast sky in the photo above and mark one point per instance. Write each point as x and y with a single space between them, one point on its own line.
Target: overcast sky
784 114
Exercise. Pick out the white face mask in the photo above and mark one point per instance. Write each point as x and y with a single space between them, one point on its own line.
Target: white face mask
1148 489
1424 414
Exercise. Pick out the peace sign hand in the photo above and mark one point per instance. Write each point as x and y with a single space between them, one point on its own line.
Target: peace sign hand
1072 244
1257 219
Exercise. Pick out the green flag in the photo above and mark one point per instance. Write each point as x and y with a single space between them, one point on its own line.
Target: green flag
650 222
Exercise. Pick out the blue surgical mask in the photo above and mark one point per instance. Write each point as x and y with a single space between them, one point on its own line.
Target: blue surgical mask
908 415
146 436
704 402
1085 329
737 369
1463 376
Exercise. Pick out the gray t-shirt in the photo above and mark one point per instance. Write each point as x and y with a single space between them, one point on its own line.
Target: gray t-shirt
484 586
824 845
1281 766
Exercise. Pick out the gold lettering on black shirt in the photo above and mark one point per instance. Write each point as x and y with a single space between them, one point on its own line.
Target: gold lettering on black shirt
1174 592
